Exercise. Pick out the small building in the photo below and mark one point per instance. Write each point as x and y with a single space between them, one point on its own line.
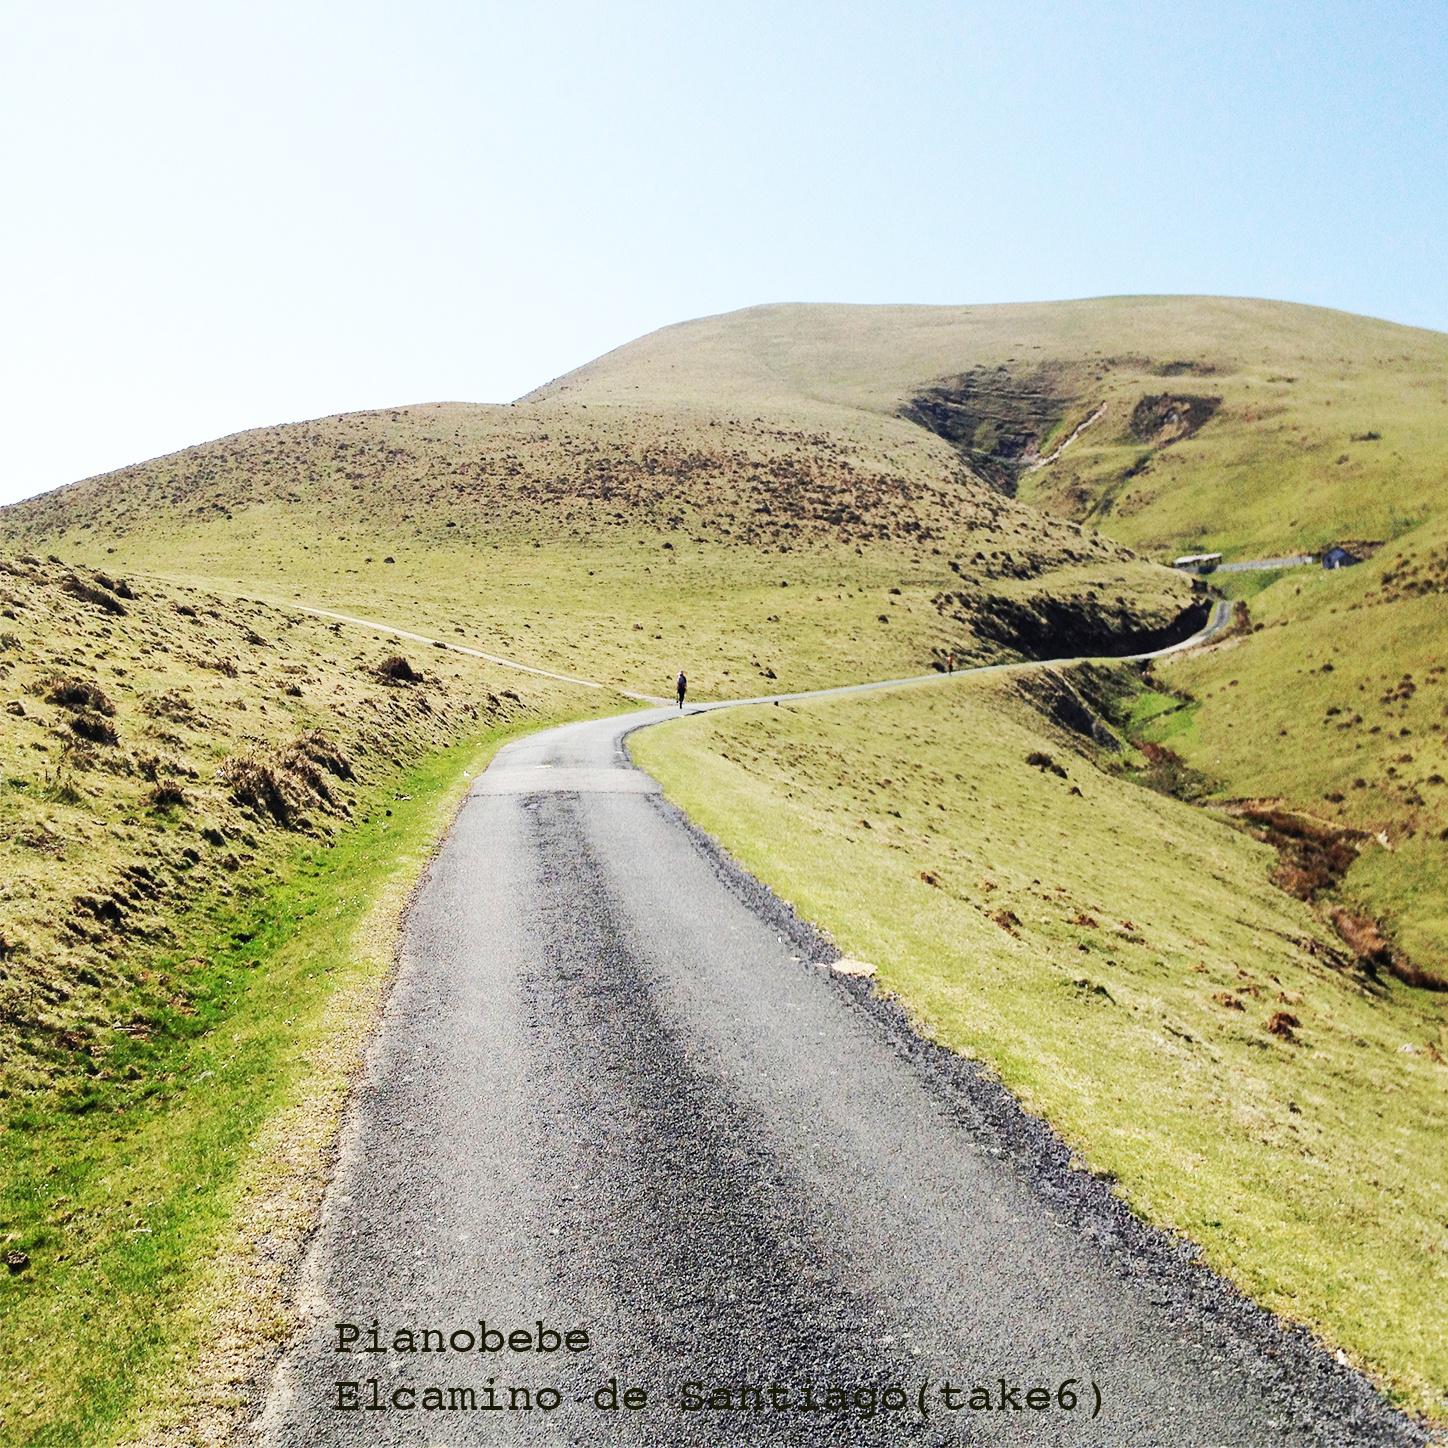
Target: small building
1197 562
1339 557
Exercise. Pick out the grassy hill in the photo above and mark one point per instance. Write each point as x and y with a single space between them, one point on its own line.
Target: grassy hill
1126 965
672 530
1320 728
162 745
804 495
1173 424
1333 705
212 802
210 814
843 451
1257 427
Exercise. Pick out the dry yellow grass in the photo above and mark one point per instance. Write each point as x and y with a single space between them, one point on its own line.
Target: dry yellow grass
1328 424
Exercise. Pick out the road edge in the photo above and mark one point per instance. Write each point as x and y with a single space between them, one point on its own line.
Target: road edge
1335 1397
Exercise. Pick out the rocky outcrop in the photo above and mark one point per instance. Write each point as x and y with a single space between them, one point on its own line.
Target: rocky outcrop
1165 418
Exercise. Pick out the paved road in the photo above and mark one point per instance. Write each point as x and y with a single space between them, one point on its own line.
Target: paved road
1218 619
1260 565
619 1088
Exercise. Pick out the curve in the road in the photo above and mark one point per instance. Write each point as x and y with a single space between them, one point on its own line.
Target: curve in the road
1219 618
619 1087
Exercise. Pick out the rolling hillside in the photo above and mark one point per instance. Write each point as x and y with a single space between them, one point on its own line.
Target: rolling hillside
210 817
672 509
213 801
1127 965
163 747
1252 426
1178 424
805 495
744 548
844 452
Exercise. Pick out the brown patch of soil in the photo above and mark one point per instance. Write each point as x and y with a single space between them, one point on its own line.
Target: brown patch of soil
1313 855
1375 952
997 419
1165 418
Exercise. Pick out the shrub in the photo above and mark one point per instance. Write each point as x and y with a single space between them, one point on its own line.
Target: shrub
1282 1023
1045 763
170 705
94 593
318 749
255 785
78 694
280 787
395 669
118 586
165 795
93 728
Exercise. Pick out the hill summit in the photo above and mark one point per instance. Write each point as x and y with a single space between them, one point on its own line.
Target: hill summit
812 493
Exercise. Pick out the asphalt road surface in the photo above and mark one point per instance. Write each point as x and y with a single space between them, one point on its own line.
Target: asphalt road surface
1265 565
618 1088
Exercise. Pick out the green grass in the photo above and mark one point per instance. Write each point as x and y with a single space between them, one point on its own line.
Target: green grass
141 1202
1337 704
618 541
1115 956
625 610
1249 585
185 979
1156 715
741 497
188 693
1287 462
630 613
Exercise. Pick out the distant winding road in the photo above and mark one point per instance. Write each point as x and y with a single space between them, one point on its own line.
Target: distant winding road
1265 565
618 1086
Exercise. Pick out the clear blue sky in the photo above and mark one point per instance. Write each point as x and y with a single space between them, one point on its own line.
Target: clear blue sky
218 215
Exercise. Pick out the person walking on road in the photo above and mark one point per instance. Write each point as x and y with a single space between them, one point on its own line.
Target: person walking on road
681 684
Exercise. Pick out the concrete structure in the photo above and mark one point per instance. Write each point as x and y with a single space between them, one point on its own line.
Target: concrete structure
1197 562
